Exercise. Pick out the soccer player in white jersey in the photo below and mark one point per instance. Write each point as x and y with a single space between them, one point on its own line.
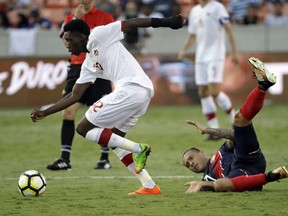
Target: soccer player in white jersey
208 22
109 119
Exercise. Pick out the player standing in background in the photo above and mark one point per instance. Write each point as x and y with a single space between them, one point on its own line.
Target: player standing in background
108 120
93 17
239 164
208 22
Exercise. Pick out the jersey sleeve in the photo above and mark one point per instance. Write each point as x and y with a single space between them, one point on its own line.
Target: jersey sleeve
222 15
86 76
107 34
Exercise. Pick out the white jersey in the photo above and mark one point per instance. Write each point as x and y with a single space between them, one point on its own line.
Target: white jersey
109 59
207 24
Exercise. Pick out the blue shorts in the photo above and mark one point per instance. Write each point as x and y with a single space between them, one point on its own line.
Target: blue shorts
248 157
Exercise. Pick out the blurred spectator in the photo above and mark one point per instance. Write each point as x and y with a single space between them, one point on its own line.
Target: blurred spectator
3 15
17 20
109 7
146 11
238 9
225 3
22 3
277 18
131 39
18 12
163 6
67 11
36 20
251 17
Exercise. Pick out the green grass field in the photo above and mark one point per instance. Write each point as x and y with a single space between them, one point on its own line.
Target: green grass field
85 191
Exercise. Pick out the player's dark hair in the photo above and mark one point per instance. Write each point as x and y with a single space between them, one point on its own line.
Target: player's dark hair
191 149
77 25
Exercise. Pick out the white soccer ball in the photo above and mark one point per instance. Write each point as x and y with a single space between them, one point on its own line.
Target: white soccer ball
31 183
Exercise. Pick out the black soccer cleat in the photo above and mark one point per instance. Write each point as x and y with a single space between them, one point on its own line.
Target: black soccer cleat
59 164
103 164
277 174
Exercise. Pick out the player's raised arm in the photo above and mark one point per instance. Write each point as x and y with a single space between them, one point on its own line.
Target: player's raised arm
219 132
173 22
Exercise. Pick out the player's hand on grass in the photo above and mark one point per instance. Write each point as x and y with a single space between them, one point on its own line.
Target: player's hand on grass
200 128
194 186
37 115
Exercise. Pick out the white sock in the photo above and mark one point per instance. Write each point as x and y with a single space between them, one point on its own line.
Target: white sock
144 177
114 141
224 102
209 107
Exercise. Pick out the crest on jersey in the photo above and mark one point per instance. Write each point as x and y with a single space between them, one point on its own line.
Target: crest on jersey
96 52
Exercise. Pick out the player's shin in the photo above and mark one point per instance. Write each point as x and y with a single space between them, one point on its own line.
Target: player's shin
243 183
105 137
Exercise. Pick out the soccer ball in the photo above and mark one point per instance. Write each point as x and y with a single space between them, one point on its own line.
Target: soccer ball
31 183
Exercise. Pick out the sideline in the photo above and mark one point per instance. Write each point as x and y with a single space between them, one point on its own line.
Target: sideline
107 177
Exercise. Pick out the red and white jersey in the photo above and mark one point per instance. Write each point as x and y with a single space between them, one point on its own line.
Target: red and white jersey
207 23
109 59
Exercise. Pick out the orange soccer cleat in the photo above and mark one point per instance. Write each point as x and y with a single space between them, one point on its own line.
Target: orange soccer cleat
147 191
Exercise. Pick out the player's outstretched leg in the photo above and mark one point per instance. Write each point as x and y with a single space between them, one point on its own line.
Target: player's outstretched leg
255 99
264 77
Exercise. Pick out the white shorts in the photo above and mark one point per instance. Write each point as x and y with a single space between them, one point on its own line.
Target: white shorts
121 108
209 72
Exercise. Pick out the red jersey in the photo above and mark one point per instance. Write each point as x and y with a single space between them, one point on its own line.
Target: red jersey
93 18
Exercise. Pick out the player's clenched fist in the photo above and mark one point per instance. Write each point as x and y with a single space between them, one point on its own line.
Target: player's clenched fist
37 115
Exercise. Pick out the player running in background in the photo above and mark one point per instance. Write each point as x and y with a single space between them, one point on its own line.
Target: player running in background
108 120
207 24
239 164
93 17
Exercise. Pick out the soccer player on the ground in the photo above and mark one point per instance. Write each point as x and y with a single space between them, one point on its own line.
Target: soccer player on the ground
239 164
93 17
109 119
207 24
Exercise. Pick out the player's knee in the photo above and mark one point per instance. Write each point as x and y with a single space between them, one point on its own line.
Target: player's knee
237 116
223 184
239 120
80 130
69 114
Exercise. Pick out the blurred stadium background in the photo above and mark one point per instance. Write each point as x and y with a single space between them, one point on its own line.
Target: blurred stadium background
34 75
33 57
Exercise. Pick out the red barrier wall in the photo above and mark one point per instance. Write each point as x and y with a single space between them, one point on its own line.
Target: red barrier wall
39 81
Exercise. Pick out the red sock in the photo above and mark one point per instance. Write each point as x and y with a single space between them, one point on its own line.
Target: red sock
127 160
105 137
253 103
243 183
210 116
229 110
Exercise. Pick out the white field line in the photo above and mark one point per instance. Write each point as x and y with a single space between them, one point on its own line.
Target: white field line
105 177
